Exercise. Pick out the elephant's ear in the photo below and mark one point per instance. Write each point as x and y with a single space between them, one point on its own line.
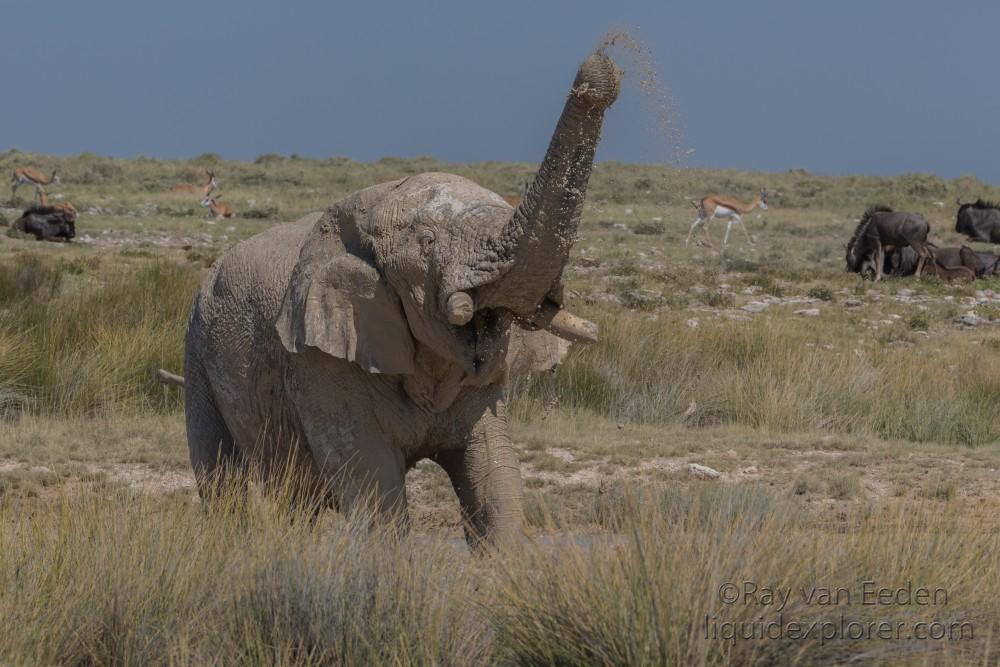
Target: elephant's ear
346 309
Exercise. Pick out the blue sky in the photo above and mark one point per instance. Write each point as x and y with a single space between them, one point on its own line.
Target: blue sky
874 87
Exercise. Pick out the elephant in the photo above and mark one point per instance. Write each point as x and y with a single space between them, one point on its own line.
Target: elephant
378 333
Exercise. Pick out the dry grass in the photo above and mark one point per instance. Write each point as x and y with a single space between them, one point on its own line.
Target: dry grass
123 578
645 595
75 339
779 374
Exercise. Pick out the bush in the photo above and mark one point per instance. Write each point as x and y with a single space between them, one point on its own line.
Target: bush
919 322
649 227
265 213
822 293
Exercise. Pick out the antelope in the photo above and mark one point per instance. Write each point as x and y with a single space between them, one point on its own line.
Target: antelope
716 206
203 190
30 176
218 210
43 201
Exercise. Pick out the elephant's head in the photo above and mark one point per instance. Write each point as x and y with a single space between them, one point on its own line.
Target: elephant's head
436 264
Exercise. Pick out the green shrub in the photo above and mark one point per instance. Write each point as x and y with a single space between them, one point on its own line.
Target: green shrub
822 293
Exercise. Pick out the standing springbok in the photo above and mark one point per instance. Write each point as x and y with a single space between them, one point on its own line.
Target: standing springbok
30 176
720 206
203 190
218 210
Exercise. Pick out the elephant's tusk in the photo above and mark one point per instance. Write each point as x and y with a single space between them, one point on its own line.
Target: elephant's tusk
574 329
565 324
460 308
166 377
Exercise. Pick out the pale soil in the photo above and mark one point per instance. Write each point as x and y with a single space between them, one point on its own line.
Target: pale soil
565 461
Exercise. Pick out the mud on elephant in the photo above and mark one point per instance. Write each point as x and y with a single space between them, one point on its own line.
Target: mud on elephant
379 332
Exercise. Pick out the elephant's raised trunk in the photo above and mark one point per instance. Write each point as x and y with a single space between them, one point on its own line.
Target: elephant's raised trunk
534 245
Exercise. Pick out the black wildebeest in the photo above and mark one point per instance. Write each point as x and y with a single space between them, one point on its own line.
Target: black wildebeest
980 221
882 229
48 223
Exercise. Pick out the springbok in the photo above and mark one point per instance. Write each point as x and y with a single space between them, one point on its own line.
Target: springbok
720 206
43 202
203 190
218 210
30 176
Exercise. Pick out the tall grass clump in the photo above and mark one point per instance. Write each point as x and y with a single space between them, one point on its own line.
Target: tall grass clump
133 579
771 374
653 596
75 343
117 577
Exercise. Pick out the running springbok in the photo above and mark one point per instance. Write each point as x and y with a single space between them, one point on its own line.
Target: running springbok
218 210
30 176
720 206
203 190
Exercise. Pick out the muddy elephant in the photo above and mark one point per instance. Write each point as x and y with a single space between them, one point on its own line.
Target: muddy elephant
378 333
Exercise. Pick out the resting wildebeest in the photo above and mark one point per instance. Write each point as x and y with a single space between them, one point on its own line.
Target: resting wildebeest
948 263
988 264
980 221
48 223
882 229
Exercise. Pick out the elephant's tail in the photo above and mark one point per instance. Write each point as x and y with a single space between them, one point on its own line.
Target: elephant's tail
166 377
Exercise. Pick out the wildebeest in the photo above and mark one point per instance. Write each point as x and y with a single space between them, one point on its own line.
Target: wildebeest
882 229
949 262
989 264
980 221
48 223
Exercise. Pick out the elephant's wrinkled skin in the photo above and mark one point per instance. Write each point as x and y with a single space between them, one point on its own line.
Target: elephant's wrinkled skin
380 332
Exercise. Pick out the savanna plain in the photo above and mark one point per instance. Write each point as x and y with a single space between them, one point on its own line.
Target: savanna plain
851 430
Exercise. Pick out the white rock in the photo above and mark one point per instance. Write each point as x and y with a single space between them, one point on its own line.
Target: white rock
808 312
693 324
703 472
756 306
970 319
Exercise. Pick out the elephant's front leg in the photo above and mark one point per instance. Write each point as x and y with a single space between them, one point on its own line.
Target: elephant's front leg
487 479
372 477
353 456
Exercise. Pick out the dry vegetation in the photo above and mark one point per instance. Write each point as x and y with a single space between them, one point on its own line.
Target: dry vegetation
856 439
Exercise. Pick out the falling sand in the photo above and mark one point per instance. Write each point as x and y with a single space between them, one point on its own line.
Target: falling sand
655 95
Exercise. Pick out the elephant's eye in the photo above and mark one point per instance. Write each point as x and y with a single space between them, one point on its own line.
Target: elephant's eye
426 239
